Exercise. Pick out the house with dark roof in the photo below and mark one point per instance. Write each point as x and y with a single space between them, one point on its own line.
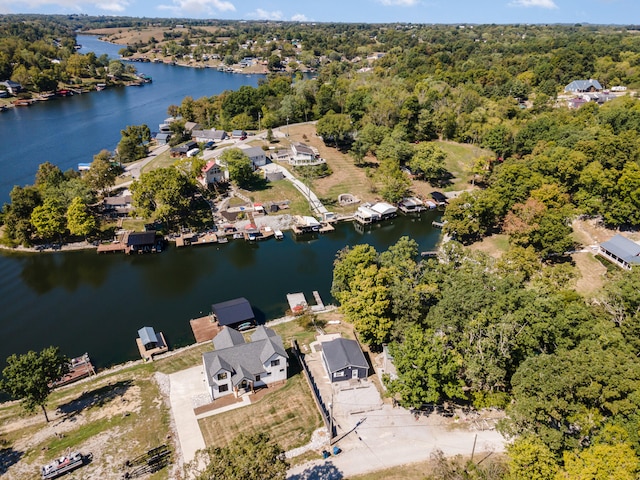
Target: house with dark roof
344 360
212 135
233 313
239 367
182 150
582 86
621 251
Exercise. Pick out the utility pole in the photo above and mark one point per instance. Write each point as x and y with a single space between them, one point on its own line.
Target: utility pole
287 126
259 114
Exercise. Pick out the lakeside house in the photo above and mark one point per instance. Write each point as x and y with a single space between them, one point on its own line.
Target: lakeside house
183 150
205 136
239 367
343 359
621 251
257 155
212 173
304 155
370 213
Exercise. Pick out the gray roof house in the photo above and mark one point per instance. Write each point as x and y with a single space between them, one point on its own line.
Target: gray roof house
212 135
344 360
239 367
256 154
233 312
620 250
580 86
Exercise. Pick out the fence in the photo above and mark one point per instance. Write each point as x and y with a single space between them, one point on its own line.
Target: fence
315 392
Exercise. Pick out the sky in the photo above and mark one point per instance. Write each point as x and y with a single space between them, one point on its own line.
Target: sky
621 12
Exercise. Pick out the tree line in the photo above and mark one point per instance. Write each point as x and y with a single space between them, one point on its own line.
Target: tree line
510 333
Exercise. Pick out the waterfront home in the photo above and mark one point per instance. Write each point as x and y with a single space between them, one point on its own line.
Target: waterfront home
343 359
304 155
182 150
256 155
305 224
120 205
621 251
411 205
12 87
236 313
239 367
212 173
163 138
212 135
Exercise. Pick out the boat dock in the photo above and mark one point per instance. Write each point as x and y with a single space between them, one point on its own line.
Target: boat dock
319 304
79 368
204 328
298 302
187 239
150 343
437 224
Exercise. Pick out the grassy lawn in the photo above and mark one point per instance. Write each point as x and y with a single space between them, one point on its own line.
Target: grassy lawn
161 161
288 415
460 159
495 245
279 191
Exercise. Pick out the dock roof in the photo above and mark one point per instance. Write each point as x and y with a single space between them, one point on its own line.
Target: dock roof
147 335
233 311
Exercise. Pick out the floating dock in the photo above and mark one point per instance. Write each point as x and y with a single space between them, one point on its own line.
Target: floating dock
204 328
79 368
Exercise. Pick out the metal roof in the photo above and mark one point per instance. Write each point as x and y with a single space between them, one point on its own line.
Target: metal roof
233 311
147 335
342 353
623 248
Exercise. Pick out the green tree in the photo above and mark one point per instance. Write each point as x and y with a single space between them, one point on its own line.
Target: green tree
601 462
29 377
428 368
428 162
102 173
395 184
335 128
133 143
48 219
164 194
79 220
239 166
247 457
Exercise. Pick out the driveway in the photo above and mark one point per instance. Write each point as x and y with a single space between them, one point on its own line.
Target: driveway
377 436
187 389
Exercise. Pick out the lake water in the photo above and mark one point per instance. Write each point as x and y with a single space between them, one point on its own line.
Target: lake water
85 302
68 131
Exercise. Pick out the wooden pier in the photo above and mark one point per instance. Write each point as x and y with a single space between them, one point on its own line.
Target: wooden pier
437 224
79 368
319 303
186 240
148 354
112 248
204 328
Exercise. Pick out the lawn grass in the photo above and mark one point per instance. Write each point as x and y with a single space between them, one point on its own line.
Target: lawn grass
460 160
187 358
161 161
288 415
279 191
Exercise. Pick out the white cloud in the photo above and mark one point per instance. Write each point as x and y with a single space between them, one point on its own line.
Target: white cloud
299 17
550 4
184 8
399 3
261 14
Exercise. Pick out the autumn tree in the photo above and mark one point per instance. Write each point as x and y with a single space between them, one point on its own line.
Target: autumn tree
30 377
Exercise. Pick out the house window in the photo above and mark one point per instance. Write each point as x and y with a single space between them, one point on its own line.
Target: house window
223 388
222 376
258 378
275 363
338 374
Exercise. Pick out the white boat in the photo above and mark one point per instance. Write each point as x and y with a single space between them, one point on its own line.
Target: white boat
278 234
63 465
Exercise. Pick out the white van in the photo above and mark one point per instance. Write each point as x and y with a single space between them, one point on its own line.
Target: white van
193 152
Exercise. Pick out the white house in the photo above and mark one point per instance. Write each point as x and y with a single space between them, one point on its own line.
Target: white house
302 154
212 172
238 367
256 155
212 135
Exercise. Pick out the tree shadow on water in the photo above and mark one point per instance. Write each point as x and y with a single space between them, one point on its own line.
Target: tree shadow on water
9 457
326 471
95 398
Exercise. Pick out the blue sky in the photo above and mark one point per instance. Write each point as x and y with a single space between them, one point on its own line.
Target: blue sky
370 11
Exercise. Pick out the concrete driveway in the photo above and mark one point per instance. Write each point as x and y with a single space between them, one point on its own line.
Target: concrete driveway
187 388
378 436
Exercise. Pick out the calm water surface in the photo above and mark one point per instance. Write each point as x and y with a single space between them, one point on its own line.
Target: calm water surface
85 302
